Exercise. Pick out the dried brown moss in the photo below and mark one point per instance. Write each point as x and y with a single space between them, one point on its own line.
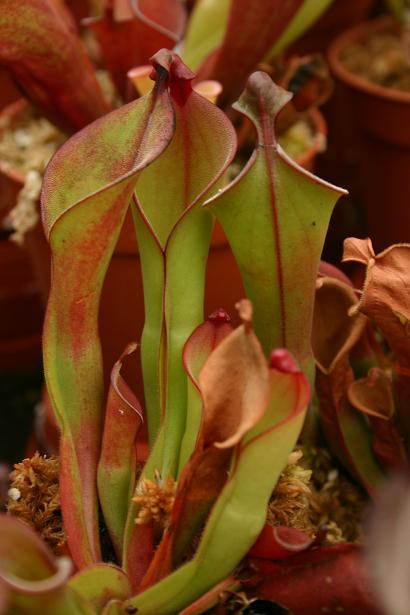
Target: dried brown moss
156 499
34 498
290 502
306 498
312 494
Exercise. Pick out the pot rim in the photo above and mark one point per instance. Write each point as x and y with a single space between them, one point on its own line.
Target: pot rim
355 82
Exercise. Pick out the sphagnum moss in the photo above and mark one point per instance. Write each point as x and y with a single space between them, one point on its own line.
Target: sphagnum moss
34 498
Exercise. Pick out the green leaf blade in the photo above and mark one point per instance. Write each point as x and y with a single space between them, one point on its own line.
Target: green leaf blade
174 234
118 460
275 215
197 349
205 30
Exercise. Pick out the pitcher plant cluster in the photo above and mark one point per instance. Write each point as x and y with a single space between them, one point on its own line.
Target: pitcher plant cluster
224 407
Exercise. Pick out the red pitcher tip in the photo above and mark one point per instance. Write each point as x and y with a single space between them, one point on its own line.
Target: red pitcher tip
219 317
282 360
172 63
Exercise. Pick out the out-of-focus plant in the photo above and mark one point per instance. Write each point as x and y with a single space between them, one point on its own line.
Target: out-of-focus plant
225 40
128 33
400 9
387 556
43 52
224 409
41 48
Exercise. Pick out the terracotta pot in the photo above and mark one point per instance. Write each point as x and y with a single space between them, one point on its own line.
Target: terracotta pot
335 164
20 311
20 303
122 309
11 181
340 15
381 154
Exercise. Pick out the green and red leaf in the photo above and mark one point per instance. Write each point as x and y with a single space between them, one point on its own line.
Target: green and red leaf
118 460
87 189
203 342
275 216
40 47
196 351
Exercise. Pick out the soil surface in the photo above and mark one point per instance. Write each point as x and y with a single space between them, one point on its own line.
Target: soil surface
382 58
